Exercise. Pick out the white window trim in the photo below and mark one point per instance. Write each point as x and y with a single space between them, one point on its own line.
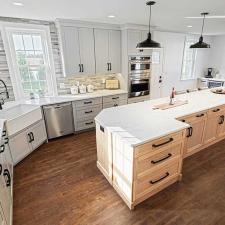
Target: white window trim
6 28
194 68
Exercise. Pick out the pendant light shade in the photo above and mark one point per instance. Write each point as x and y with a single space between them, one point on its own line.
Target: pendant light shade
149 43
201 43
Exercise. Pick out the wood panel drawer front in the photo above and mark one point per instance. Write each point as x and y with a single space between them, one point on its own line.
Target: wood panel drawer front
159 144
87 102
155 179
83 125
114 103
146 163
216 110
194 117
88 112
112 98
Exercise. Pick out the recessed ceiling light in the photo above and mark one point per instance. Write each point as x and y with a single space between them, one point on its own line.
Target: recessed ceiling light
111 16
18 3
189 26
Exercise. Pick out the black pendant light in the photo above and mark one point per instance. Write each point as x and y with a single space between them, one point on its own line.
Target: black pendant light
200 43
149 43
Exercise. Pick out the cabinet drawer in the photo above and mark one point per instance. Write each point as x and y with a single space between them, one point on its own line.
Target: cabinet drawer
216 110
114 103
87 102
112 98
194 117
145 163
155 179
161 144
88 112
83 125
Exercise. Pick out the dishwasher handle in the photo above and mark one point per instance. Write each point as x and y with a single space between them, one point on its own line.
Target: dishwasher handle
57 106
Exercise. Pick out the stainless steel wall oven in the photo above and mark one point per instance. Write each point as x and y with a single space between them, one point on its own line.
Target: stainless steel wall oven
139 76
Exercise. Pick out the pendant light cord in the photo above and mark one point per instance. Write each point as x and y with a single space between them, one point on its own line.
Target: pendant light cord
203 24
150 19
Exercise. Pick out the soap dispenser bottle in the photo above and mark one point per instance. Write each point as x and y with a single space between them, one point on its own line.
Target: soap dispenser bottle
172 97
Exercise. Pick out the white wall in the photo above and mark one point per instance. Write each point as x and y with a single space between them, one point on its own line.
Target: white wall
173 44
217 59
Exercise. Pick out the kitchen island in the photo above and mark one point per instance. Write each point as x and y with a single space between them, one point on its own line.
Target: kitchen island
140 150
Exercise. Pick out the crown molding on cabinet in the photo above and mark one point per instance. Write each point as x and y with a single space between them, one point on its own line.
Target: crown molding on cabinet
87 24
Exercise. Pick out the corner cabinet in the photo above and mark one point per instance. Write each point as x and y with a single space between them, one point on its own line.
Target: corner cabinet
77 45
107 51
23 143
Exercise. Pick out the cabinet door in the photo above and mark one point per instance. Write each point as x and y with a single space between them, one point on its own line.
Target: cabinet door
221 125
196 139
211 128
19 146
134 37
87 56
70 47
102 50
39 135
115 51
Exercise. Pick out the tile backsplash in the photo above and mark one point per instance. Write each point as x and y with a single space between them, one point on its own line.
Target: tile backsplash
98 81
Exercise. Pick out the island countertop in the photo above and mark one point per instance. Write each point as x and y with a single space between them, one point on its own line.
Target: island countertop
139 123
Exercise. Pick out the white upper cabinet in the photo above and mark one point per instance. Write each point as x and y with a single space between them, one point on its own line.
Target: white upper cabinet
78 50
107 51
133 38
87 52
115 51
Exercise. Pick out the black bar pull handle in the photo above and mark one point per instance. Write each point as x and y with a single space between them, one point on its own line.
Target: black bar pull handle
89 123
114 98
2 148
6 141
7 176
221 120
88 102
1 169
110 66
79 68
200 115
190 131
3 133
88 112
164 143
216 110
107 66
160 160
82 68
30 137
160 179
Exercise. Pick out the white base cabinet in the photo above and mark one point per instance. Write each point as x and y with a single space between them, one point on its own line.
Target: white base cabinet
6 181
23 143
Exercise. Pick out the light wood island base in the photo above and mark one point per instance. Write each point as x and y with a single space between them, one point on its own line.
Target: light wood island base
137 173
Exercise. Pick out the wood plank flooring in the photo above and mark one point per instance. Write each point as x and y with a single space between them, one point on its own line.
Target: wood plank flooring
59 184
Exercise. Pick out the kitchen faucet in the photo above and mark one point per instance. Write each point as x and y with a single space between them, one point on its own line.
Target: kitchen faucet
3 92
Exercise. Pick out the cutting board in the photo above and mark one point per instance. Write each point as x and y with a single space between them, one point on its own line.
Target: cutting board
168 106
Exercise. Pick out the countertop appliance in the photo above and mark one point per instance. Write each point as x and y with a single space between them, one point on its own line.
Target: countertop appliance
139 76
209 73
59 119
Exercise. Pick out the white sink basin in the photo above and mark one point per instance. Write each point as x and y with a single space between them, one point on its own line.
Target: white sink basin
20 117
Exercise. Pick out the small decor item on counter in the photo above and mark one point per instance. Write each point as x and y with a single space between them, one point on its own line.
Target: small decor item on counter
112 84
172 96
218 90
74 90
90 88
82 89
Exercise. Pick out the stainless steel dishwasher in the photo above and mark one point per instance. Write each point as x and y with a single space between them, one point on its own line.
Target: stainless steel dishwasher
59 119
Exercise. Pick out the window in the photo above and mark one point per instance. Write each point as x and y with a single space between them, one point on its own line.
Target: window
189 58
31 59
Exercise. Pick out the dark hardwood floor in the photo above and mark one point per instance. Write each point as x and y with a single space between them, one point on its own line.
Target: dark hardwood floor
59 184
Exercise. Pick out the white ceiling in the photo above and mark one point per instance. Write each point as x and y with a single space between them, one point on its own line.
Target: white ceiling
168 15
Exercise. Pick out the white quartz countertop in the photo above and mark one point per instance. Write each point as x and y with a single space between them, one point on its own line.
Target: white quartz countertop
69 98
141 123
